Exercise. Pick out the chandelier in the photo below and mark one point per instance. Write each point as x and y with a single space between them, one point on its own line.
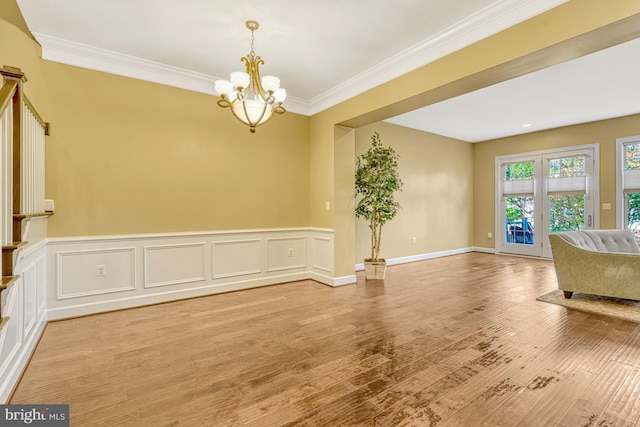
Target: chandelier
252 99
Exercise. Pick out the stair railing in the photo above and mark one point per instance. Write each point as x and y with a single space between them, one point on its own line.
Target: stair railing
22 171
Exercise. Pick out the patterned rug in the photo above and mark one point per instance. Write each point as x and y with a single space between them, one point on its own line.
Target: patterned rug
615 307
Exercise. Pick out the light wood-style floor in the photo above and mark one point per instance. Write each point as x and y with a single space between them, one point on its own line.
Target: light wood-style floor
455 341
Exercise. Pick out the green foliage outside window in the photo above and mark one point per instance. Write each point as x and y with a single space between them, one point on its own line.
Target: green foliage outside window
567 167
632 161
633 211
632 156
515 171
566 212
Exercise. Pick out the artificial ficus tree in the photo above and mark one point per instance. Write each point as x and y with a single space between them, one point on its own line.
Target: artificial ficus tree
376 181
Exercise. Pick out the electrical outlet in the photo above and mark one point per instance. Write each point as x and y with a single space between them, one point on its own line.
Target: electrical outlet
327 206
490 235
290 252
413 240
101 270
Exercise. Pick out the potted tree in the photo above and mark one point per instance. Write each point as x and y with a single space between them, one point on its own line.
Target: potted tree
376 181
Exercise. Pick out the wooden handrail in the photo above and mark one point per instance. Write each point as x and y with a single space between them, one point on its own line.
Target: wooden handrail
13 78
6 94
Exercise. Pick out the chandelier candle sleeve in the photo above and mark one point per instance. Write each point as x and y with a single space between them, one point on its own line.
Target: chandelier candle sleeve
251 98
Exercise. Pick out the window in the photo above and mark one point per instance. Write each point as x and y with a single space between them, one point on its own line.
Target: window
628 183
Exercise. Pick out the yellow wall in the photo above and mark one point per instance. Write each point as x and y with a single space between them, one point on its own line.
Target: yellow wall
436 199
484 153
138 157
18 49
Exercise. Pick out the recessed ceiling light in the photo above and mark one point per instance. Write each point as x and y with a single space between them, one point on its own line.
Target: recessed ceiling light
527 125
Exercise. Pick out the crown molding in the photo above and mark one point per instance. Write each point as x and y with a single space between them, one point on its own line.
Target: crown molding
500 15
81 55
495 18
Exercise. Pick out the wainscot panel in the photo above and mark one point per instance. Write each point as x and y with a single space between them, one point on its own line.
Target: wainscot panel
232 258
95 271
286 253
174 264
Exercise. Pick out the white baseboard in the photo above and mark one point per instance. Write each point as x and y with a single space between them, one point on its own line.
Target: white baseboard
421 257
344 280
484 250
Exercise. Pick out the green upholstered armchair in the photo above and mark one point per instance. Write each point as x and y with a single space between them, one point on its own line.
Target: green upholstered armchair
599 262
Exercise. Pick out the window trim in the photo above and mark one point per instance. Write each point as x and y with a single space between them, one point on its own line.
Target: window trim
621 207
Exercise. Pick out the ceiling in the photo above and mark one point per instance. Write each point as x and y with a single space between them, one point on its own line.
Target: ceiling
599 86
328 51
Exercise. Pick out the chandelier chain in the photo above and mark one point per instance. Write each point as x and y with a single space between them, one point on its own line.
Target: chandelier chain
252 54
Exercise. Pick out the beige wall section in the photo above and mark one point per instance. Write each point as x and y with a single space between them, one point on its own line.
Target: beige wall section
344 149
10 12
436 199
18 49
484 153
137 157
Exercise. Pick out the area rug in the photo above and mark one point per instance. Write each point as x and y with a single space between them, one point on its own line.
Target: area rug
615 307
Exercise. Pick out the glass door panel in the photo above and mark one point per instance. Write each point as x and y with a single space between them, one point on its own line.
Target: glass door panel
518 206
568 193
632 212
519 224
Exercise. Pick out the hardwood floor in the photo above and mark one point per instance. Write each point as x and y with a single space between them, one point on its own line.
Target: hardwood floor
455 341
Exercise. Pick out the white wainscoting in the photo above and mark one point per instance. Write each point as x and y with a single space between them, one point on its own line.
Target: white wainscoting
148 269
26 308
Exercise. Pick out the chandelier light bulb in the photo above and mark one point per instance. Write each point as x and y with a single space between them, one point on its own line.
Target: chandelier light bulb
280 95
223 87
240 79
270 83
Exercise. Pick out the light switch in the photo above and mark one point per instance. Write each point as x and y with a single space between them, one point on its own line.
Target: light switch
606 206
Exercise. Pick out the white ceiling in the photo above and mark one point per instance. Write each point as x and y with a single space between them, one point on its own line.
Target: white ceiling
594 87
331 50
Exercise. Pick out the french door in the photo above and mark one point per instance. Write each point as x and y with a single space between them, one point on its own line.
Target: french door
541 193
